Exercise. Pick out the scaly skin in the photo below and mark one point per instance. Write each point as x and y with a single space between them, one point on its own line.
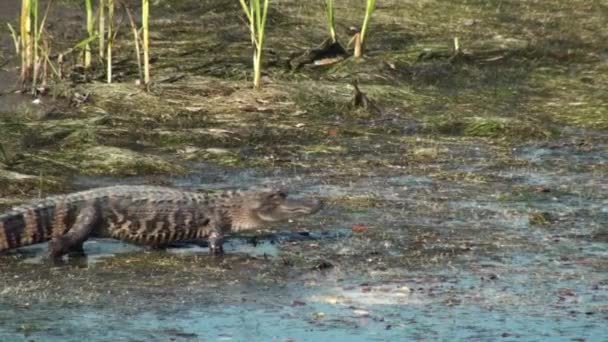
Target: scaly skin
148 215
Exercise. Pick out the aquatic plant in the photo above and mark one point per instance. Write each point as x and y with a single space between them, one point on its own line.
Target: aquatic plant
143 41
25 35
90 31
359 38
102 27
110 41
145 16
144 75
135 40
15 36
331 21
256 16
31 43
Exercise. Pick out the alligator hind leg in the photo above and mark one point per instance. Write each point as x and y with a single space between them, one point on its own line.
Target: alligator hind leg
72 241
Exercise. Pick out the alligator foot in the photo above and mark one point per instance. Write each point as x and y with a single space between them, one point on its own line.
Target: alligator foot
216 241
62 245
58 246
76 251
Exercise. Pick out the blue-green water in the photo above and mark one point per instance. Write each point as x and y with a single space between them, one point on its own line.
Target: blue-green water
439 260
485 313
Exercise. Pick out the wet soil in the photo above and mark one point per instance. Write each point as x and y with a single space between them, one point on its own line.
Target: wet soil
470 203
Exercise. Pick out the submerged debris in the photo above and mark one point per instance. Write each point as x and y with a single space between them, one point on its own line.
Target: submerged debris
327 53
361 100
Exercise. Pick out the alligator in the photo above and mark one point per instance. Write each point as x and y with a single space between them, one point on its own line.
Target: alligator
146 215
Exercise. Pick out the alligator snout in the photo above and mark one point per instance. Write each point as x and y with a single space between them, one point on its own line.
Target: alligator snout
302 206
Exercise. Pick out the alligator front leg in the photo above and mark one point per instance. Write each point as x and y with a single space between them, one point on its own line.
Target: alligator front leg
72 241
216 241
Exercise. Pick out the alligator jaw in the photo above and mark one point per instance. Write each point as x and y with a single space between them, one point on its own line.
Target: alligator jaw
269 207
301 207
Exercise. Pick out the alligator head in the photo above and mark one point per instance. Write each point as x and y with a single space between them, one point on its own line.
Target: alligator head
256 209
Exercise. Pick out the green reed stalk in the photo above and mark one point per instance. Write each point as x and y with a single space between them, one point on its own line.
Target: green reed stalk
35 48
331 21
369 9
30 39
38 48
16 39
256 15
135 42
102 27
145 14
90 31
110 41
25 27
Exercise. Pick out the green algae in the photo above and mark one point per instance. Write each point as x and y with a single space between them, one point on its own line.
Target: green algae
540 218
117 161
496 127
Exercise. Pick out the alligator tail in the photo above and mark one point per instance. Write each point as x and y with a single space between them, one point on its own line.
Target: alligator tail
30 224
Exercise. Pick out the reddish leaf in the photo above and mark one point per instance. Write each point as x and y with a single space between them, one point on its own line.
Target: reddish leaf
359 228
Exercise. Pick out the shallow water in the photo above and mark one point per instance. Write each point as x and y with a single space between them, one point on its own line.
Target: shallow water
440 261
460 305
